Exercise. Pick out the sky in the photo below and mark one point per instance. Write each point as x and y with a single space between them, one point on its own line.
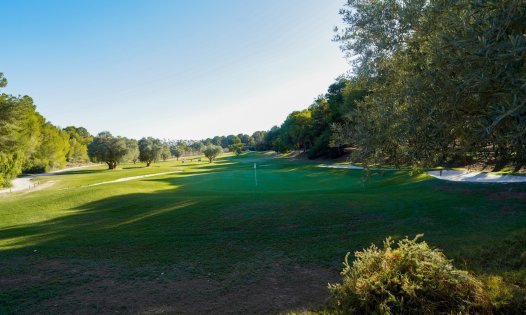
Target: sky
170 69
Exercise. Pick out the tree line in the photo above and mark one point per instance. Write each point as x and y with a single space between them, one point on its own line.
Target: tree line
31 144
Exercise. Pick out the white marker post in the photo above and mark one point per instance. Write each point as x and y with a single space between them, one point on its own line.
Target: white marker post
255 174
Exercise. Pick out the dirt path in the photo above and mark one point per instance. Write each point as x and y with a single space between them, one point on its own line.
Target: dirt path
25 183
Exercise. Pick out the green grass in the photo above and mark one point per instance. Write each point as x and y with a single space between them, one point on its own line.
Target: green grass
211 217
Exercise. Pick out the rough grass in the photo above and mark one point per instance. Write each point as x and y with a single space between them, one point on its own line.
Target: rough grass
211 223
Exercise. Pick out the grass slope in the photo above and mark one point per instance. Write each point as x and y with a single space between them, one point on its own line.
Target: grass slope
134 246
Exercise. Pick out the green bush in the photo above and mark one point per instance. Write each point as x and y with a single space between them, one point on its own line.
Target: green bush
409 278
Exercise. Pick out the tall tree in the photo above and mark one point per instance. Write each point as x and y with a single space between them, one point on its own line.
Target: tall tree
446 80
19 133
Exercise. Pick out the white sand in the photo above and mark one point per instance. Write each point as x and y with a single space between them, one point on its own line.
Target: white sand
476 177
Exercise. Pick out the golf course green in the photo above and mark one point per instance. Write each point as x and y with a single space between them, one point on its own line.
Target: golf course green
205 237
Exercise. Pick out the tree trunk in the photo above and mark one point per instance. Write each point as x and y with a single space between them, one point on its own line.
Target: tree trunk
148 163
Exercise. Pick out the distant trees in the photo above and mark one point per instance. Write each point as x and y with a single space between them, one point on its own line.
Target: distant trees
212 151
150 150
234 144
176 151
296 130
165 152
132 151
259 140
105 148
79 138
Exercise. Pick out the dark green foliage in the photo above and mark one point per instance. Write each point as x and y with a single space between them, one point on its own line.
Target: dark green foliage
108 149
18 137
165 152
447 81
176 151
27 142
212 151
150 150
409 278
132 152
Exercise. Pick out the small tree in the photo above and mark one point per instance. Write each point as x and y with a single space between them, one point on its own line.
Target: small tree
133 151
176 151
150 150
165 152
212 151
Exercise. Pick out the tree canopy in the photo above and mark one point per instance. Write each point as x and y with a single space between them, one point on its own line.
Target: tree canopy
212 151
150 150
106 148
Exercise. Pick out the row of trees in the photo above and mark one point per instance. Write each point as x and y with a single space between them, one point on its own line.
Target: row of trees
312 130
29 143
112 150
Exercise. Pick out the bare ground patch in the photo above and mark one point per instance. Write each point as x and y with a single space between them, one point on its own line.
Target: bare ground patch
37 286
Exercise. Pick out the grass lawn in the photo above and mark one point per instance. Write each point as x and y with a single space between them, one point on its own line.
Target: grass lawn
209 240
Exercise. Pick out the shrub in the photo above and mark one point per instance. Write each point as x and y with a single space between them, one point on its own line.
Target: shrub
409 278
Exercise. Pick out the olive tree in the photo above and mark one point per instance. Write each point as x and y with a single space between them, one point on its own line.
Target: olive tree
106 148
150 150
176 151
212 151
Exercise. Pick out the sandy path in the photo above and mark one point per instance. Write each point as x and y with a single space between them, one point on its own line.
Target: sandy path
476 177
25 183
125 179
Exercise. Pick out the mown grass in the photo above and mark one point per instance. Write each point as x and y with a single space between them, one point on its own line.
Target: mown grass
210 217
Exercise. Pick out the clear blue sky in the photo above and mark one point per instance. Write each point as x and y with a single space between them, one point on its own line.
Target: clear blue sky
170 69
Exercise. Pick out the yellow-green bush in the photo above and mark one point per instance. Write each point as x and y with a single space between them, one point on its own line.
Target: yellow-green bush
407 278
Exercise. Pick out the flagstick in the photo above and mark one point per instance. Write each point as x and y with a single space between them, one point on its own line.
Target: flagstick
255 174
